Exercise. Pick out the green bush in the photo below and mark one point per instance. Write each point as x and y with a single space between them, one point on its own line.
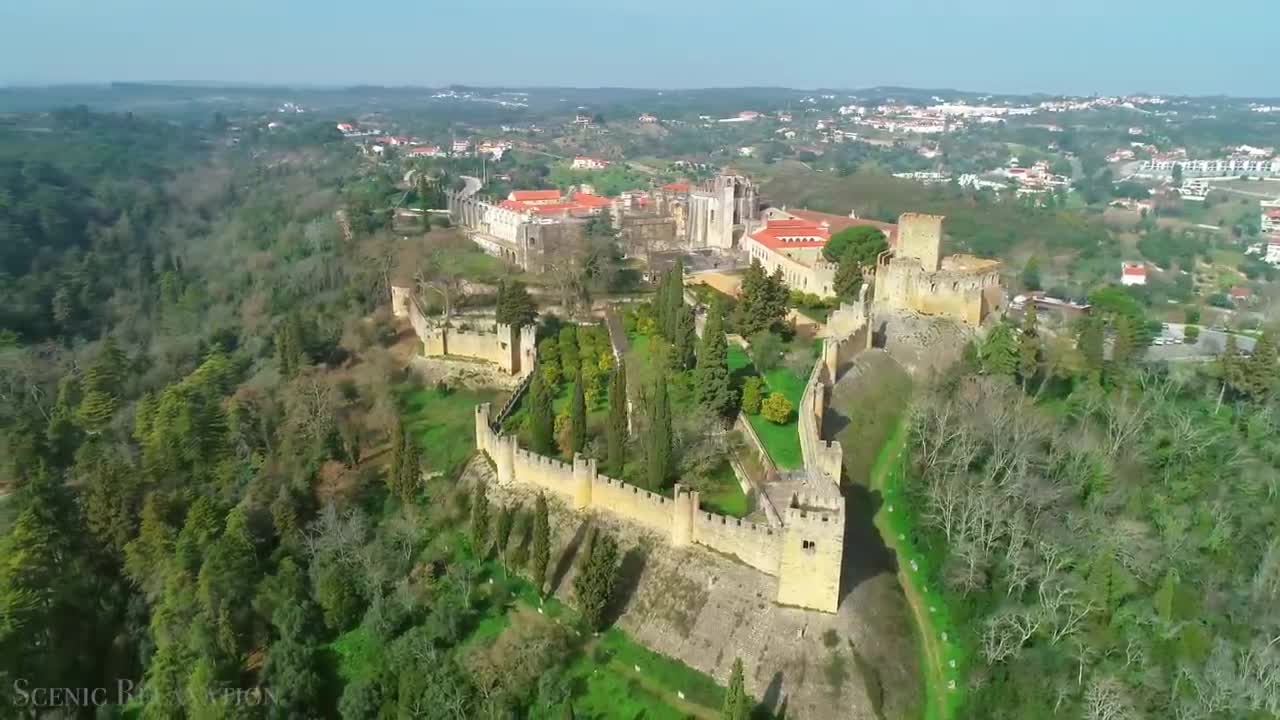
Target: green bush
776 408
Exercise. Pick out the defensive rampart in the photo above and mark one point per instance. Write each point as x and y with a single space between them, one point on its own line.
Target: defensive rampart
514 350
679 518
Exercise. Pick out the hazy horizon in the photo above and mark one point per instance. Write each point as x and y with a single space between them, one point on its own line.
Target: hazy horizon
985 46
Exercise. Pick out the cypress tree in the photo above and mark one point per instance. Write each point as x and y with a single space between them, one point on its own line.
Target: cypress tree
1231 365
675 302
1259 370
480 521
540 555
577 418
502 532
541 416
1029 345
684 342
999 352
713 384
1089 342
594 584
399 439
735 696
515 306
410 469
617 429
570 360
1123 343
848 279
659 437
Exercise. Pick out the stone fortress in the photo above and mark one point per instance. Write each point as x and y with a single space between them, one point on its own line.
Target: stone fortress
912 276
802 545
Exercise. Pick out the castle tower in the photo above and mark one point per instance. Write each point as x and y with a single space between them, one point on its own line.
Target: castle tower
686 504
528 350
584 473
920 237
504 447
812 554
509 344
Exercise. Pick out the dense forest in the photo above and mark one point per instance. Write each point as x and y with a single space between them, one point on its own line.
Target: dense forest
1107 533
194 375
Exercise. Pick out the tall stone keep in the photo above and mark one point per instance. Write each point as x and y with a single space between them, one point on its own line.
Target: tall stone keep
920 237
812 553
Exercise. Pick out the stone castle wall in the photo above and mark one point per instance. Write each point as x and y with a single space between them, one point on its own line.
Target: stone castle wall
914 276
513 351
760 546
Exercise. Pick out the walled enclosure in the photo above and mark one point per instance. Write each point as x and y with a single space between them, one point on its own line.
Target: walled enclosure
806 553
510 349
914 277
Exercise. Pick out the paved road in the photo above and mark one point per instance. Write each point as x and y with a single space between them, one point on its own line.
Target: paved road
1210 344
473 186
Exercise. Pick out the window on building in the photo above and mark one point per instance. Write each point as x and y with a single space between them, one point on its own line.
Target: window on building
810 545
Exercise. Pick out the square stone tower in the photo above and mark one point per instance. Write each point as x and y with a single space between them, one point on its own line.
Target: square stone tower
920 237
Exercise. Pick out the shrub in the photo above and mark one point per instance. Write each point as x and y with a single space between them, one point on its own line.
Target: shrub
776 408
751 392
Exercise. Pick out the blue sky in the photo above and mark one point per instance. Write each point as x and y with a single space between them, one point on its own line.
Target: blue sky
1078 46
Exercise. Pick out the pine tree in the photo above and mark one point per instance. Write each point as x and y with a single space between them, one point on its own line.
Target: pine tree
515 307
1029 345
96 409
480 521
848 279
594 584
714 385
291 346
577 419
659 437
541 416
735 696
776 298
999 352
616 433
748 317
540 553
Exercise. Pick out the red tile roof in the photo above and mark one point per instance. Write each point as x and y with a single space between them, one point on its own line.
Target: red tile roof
677 187
534 195
799 234
836 223
1134 269
1274 213
591 201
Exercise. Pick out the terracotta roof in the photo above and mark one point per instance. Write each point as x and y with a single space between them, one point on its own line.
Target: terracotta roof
677 187
592 201
1135 269
772 234
1240 292
533 195
1274 213
842 222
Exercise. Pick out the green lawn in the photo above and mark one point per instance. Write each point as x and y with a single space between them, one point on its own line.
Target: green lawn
942 656
724 495
442 424
782 442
